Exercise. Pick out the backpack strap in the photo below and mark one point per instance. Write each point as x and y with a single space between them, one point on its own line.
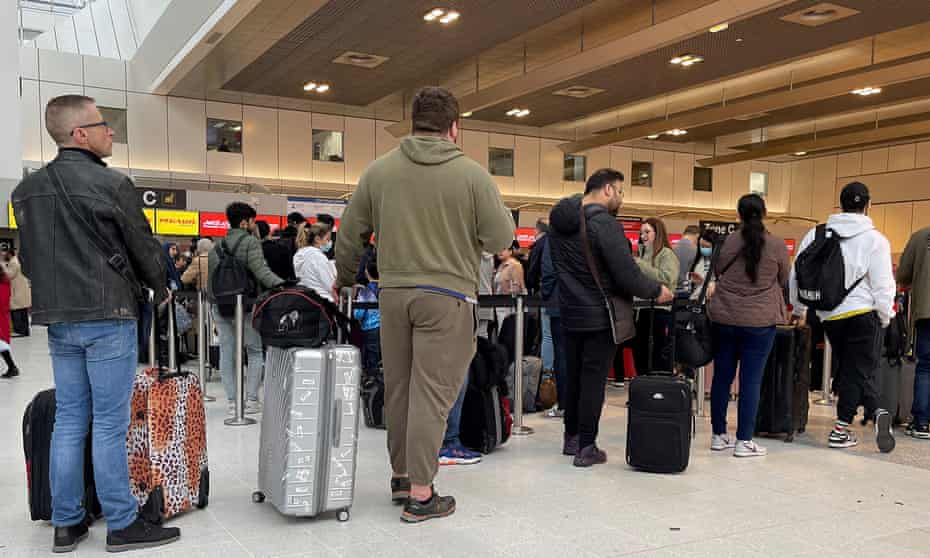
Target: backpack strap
225 250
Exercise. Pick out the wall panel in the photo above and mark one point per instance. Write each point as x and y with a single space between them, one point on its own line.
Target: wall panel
802 188
30 120
526 165
902 157
295 144
61 67
147 129
260 142
359 147
684 179
898 218
384 140
47 91
921 218
475 146
923 154
663 178
187 136
875 161
849 164
740 186
723 186
824 197
551 168
779 187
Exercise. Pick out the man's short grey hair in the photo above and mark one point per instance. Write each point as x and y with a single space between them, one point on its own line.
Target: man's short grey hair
65 113
204 245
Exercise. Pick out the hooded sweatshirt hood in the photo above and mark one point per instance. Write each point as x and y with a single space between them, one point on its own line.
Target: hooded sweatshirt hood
566 215
429 150
848 225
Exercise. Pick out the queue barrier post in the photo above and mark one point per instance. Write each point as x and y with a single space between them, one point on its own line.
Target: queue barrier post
202 346
239 418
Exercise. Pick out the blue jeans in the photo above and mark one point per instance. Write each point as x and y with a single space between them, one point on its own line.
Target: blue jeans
252 342
94 364
453 423
548 345
748 347
371 349
561 359
921 408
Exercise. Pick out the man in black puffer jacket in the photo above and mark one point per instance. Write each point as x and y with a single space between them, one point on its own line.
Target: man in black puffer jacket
589 341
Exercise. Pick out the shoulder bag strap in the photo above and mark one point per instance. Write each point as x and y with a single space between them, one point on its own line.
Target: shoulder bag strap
589 256
114 259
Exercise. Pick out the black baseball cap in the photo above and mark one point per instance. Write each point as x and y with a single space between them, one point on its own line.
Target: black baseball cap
855 197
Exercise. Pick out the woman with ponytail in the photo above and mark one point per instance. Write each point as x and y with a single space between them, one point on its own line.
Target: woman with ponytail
746 305
311 265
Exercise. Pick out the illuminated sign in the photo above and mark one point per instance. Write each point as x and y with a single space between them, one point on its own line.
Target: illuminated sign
176 223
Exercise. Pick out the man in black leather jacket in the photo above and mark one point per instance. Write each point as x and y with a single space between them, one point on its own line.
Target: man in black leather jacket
589 342
91 308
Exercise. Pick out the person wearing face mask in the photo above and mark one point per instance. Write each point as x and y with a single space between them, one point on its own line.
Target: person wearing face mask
701 266
659 262
311 265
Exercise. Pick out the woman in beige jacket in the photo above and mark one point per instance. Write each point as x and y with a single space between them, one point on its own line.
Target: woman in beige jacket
21 294
660 263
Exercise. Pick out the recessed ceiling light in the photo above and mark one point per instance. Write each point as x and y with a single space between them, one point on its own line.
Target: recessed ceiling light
686 60
739 39
466 114
360 59
866 91
652 136
719 27
314 87
676 132
434 14
449 18
800 153
518 112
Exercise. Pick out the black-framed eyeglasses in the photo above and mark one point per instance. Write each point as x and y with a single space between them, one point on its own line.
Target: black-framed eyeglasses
94 125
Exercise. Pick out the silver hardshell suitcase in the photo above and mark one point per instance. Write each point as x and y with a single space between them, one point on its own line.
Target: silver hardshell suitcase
309 435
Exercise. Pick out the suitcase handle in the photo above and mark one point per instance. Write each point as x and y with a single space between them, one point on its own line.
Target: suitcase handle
337 423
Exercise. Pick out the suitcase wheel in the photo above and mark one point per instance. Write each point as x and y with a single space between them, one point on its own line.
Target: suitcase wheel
789 438
203 497
343 515
258 497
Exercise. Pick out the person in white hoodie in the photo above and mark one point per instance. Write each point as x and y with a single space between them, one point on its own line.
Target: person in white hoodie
855 327
312 267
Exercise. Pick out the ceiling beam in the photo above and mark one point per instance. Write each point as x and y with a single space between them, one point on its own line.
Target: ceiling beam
806 143
663 33
766 102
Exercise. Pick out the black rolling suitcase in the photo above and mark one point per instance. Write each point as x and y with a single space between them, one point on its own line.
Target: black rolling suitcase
660 420
486 420
777 399
38 424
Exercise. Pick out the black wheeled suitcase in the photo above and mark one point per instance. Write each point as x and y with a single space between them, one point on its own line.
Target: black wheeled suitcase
660 420
784 391
38 425
486 419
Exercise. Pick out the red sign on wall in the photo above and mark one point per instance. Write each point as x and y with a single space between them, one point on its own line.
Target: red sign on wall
526 236
213 224
792 245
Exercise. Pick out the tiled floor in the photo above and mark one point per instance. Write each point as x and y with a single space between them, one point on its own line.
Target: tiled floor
525 500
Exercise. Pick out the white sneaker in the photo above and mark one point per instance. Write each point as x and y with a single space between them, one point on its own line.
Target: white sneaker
555 413
721 442
748 448
231 409
253 407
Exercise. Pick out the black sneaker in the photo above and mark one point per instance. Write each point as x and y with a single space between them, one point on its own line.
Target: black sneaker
11 373
141 534
437 506
400 489
67 538
919 432
570 445
589 456
884 431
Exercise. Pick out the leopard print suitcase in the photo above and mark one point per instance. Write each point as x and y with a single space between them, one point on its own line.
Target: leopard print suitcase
167 444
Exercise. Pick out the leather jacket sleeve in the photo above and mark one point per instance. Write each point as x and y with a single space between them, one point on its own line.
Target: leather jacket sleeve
145 253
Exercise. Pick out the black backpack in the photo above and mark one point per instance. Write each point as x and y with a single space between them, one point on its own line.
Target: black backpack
296 317
821 272
230 279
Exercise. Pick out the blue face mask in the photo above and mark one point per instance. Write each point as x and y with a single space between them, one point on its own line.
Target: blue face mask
327 247
706 251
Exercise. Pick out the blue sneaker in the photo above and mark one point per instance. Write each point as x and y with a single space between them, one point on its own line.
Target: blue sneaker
458 455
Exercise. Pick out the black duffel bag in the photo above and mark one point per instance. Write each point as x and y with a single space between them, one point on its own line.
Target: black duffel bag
295 316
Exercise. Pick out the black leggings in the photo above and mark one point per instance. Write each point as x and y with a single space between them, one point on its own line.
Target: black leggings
588 355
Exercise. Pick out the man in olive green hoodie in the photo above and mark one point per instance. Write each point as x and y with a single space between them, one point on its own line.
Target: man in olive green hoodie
433 212
914 272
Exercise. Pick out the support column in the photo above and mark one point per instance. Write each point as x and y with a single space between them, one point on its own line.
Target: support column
11 150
